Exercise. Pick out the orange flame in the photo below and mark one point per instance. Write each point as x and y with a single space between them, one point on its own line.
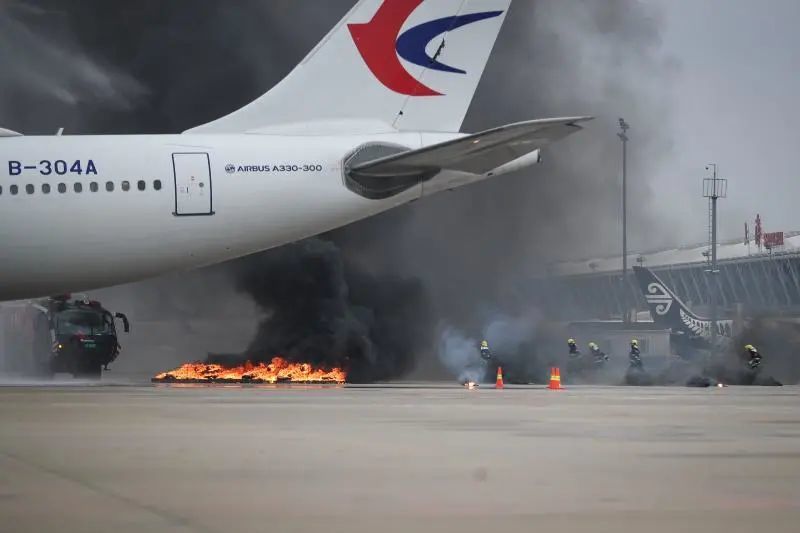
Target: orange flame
278 370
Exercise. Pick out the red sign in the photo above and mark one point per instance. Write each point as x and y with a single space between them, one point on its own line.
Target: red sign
758 231
771 240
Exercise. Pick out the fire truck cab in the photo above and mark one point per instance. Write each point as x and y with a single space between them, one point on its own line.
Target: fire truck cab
61 334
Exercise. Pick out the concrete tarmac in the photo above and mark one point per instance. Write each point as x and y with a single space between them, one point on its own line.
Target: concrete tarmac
406 458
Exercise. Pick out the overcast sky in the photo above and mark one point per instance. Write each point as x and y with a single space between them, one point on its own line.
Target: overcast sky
735 101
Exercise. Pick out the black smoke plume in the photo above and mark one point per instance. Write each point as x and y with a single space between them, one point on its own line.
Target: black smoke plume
320 310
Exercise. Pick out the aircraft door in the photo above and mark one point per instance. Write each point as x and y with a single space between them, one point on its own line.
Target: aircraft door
193 191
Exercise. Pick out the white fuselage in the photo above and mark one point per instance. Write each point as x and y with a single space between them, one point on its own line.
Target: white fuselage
220 197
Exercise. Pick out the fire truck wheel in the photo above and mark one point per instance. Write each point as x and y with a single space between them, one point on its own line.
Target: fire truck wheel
89 373
87 370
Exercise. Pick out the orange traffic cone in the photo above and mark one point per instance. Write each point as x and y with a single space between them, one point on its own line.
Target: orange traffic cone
499 383
555 379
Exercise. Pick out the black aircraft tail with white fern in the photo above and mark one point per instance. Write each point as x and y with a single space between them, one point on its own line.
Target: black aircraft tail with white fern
669 312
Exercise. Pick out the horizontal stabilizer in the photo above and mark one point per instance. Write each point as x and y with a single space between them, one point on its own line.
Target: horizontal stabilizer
477 154
8 133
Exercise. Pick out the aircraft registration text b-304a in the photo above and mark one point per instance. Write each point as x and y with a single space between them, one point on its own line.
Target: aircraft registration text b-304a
46 167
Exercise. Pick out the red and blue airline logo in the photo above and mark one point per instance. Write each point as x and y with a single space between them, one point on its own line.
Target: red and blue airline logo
381 45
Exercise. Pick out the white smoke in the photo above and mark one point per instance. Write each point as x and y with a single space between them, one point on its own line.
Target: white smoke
459 354
506 334
510 341
54 66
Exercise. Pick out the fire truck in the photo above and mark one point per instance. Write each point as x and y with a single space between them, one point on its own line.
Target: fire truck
60 334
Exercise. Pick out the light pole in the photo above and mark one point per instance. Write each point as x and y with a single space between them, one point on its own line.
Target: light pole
623 136
714 188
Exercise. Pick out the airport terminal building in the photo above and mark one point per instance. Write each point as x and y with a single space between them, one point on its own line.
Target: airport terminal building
750 280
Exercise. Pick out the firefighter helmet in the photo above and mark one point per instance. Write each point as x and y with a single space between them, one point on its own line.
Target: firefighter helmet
634 342
593 346
571 341
484 344
750 348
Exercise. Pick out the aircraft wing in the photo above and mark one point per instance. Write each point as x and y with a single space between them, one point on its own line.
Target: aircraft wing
478 153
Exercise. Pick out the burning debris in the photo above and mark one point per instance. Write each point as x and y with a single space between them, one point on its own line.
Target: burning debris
279 370
330 313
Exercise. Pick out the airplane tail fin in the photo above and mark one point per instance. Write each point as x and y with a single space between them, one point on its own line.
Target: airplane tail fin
405 64
667 309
